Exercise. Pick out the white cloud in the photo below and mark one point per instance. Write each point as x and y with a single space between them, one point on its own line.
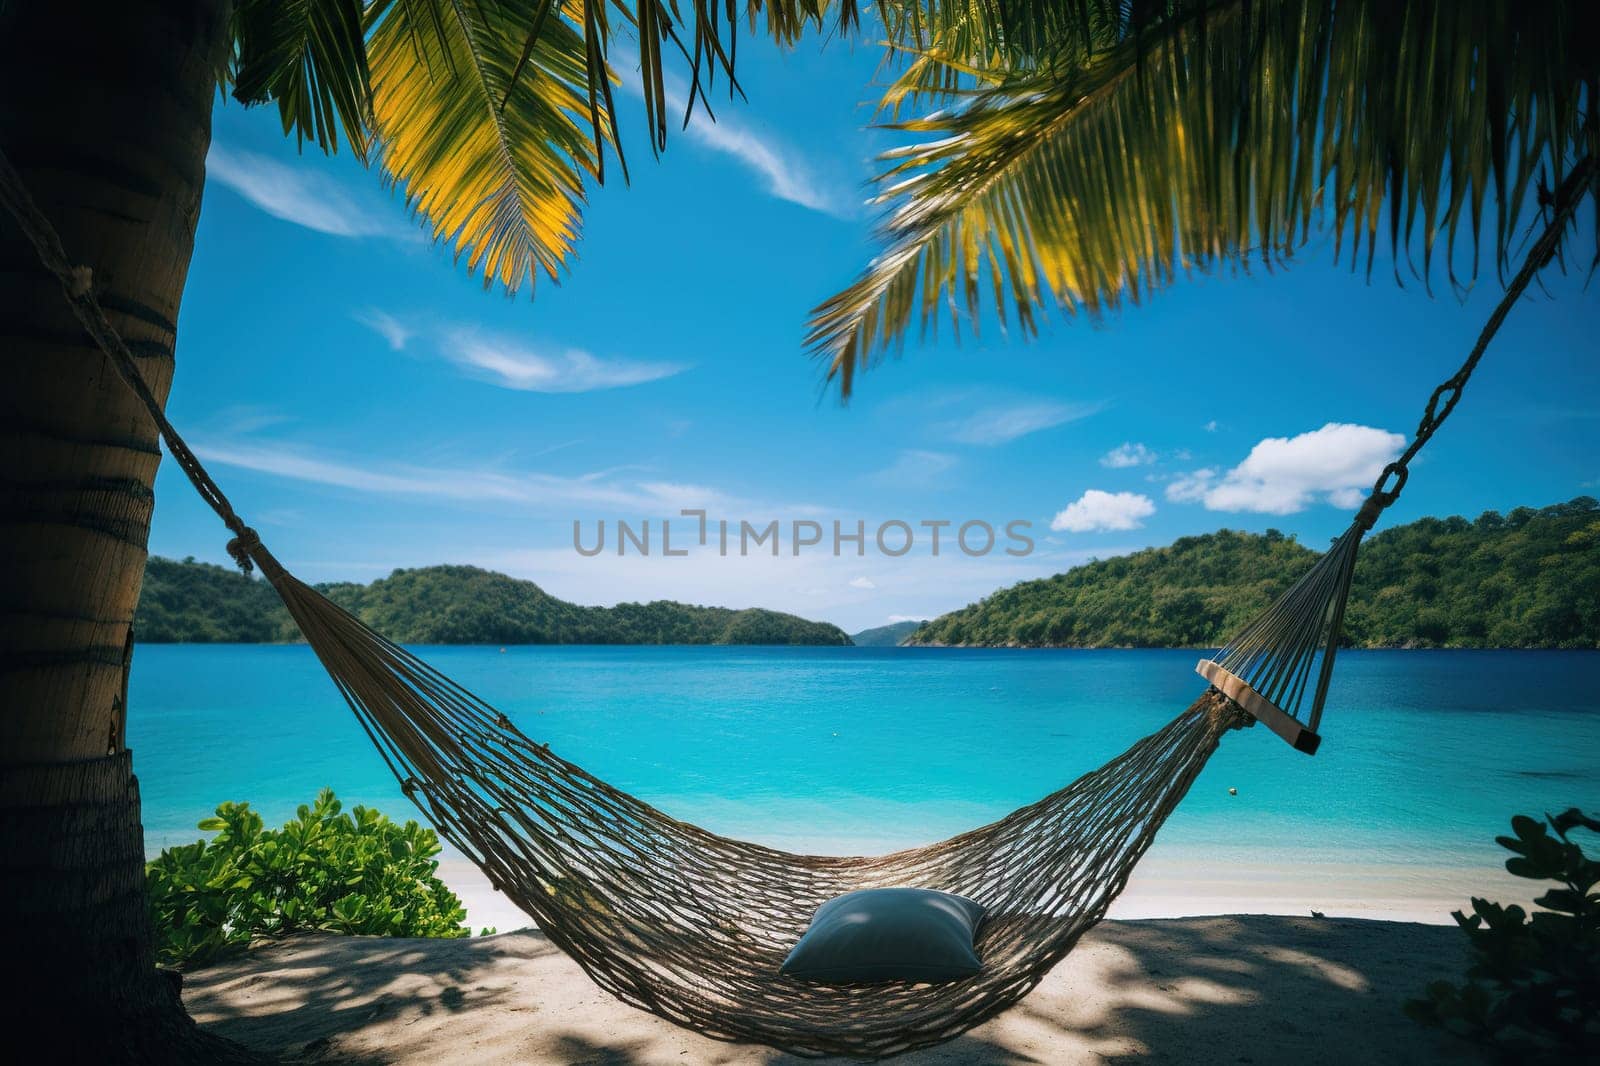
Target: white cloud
394 332
1188 488
1000 425
1126 455
895 618
1282 475
863 583
515 366
1211 426
461 484
915 467
783 169
1097 510
300 195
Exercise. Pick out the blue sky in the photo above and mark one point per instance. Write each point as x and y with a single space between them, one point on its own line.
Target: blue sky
369 406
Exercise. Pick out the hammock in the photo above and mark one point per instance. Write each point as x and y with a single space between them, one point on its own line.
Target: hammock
693 926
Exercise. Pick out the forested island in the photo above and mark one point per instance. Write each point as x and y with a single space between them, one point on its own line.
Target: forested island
889 636
200 603
1526 579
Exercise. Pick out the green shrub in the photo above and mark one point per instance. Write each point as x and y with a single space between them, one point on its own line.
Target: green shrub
1533 990
324 870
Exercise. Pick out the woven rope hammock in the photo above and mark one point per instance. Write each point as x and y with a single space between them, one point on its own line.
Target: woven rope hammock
693 926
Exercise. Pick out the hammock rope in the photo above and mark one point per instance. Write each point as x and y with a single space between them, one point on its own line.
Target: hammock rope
693 926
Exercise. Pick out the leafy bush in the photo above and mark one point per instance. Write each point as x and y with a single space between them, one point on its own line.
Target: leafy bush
1533 989
324 870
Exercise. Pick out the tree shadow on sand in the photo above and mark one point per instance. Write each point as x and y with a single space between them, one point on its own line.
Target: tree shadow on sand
1261 990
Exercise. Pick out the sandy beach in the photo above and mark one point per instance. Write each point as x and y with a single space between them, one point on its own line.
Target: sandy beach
1172 884
1254 989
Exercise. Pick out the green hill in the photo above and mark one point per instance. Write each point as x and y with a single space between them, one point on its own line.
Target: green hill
189 601
206 604
889 636
1527 579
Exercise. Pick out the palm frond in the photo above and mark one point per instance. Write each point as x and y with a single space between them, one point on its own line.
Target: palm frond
496 163
946 39
492 115
703 35
310 57
1220 133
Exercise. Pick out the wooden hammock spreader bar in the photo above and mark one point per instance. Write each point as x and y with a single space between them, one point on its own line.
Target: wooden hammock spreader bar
1258 707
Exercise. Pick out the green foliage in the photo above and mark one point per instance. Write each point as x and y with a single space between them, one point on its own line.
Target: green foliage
1530 579
1533 990
888 636
466 605
205 604
492 117
1181 595
310 58
355 873
1076 156
191 601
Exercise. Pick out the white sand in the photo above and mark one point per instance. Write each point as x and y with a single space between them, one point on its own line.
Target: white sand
1165 885
1259 990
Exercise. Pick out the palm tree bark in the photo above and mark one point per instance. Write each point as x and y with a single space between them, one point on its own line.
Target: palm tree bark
105 110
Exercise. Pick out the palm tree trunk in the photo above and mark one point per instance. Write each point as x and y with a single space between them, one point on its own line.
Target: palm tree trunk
105 109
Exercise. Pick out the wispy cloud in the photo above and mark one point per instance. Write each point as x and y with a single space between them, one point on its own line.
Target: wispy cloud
300 195
1002 424
1126 455
915 467
246 418
460 484
394 332
863 583
782 168
514 365
1096 510
1283 475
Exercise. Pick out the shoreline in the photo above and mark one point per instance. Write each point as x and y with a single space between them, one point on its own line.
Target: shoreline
1166 887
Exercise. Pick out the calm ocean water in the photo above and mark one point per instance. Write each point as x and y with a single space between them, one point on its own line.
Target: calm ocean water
1425 756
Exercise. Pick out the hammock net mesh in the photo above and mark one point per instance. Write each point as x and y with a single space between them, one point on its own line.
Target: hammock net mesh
693 926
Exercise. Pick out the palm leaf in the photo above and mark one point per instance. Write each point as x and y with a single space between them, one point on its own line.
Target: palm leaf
951 40
491 115
310 57
1216 133
495 163
704 36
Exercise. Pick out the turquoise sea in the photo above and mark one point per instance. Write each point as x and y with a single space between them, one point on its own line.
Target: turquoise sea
849 750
